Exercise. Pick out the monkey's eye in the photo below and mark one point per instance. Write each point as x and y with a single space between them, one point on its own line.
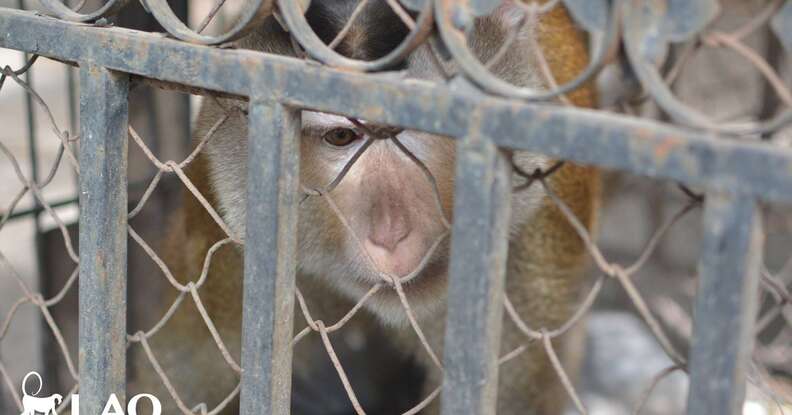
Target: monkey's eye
340 137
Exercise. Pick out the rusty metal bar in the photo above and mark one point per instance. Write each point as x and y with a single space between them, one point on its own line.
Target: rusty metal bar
726 305
726 301
103 236
270 257
608 140
482 206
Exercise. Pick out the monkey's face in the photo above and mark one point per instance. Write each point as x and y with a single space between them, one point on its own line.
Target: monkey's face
380 215
384 218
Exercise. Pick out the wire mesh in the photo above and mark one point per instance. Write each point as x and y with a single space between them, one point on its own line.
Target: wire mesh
773 324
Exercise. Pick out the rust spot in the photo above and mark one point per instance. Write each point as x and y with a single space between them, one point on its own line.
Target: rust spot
250 65
543 115
643 133
666 145
142 52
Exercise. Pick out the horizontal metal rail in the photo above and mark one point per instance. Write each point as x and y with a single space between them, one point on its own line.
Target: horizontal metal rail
38 209
110 57
592 137
726 306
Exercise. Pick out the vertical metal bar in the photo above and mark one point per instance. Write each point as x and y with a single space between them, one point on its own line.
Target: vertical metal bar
726 305
30 115
103 236
270 257
478 265
5 406
71 96
46 345
73 102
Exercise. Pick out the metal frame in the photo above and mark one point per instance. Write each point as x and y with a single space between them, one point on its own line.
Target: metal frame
737 174
268 303
475 293
103 239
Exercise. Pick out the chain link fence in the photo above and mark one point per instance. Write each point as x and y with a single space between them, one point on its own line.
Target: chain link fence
724 164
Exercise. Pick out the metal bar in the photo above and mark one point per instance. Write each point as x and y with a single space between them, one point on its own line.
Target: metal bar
270 257
38 209
30 115
47 343
726 305
103 236
482 200
608 140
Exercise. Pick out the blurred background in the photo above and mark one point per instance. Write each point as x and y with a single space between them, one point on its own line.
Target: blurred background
622 356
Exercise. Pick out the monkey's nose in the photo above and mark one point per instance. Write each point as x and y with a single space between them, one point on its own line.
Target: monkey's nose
388 230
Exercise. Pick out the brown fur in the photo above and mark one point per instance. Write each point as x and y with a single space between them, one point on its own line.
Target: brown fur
545 265
546 261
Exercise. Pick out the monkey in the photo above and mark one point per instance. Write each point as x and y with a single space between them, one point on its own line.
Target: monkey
392 214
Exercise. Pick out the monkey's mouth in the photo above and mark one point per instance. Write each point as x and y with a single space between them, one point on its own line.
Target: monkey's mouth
397 262
407 261
428 271
423 292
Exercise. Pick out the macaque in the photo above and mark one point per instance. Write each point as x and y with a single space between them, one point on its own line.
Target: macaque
391 208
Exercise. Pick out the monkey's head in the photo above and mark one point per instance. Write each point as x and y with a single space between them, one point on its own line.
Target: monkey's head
386 215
